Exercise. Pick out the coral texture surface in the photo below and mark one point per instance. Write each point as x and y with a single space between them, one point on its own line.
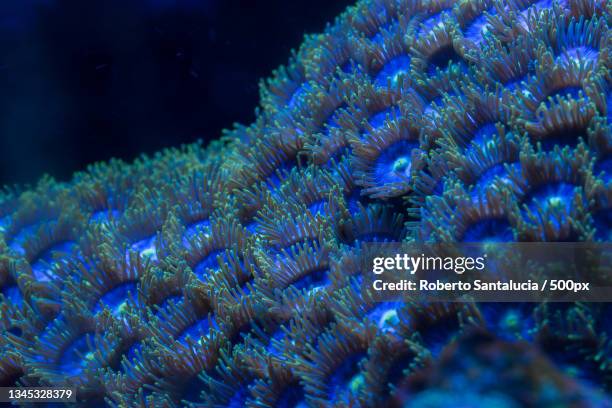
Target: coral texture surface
229 274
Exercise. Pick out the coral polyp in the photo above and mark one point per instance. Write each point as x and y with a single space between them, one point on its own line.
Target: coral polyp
230 274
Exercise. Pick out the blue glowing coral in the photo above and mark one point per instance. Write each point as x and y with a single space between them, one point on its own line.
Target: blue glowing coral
229 275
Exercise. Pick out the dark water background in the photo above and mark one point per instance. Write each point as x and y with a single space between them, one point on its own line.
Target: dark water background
86 80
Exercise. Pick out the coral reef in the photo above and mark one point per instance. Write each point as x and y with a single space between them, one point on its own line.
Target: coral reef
228 274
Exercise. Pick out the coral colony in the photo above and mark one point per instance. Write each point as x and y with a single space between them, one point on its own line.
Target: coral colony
230 274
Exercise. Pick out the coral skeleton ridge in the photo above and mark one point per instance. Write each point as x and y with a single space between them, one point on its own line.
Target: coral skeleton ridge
229 274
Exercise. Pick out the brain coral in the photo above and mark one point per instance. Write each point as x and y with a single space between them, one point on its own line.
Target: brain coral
228 274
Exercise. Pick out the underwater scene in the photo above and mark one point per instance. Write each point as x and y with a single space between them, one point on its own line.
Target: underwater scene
230 272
